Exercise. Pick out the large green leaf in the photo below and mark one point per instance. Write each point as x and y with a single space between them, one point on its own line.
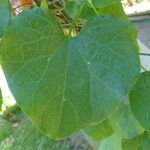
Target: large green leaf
140 100
100 131
66 83
104 3
5 14
124 123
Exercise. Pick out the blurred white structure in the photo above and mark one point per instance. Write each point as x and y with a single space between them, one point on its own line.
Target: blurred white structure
7 96
138 8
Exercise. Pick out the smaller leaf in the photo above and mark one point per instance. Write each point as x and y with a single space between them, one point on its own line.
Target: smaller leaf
146 141
100 131
132 144
104 3
87 12
115 10
140 100
141 142
73 7
124 123
114 142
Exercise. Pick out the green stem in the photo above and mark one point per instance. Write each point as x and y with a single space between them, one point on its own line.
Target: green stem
144 54
92 6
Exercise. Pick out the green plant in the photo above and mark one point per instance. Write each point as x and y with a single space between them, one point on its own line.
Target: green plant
5 129
27 137
71 65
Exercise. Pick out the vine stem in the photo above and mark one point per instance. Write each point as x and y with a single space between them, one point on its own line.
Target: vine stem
93 7
145 54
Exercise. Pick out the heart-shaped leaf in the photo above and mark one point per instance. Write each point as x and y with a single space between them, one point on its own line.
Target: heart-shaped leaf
66 83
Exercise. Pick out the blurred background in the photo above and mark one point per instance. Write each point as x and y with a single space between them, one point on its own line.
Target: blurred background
17 131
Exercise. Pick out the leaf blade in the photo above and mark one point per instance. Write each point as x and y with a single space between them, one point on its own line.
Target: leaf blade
51 76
